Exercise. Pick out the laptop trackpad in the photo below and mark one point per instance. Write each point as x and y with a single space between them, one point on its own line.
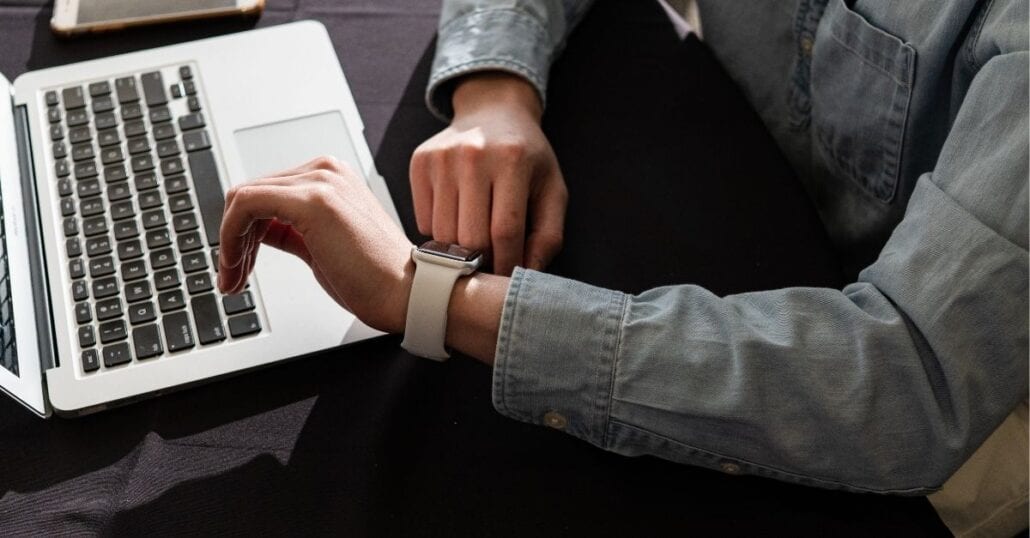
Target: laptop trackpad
275 147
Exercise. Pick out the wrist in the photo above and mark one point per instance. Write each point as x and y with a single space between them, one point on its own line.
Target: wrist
474 315
496 89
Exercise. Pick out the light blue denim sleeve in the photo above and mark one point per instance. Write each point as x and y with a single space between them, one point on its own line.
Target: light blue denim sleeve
518 36
885 386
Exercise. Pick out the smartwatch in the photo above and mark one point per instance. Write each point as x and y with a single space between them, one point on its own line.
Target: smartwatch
437 267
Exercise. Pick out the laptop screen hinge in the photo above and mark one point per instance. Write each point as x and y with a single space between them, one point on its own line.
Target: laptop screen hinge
33 229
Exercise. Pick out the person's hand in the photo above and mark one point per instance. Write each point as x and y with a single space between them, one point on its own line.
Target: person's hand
481 181
324 213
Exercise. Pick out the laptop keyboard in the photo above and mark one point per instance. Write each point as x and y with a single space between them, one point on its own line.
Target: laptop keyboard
141 204
8 351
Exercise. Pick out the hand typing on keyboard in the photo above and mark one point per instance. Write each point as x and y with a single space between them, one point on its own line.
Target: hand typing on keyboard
323 213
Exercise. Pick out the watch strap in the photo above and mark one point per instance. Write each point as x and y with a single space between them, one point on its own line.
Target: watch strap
426 327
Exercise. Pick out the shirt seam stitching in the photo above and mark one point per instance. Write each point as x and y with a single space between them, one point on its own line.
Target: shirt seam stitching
620 324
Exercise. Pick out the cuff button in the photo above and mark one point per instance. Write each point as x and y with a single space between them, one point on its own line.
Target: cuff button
555 420
729 467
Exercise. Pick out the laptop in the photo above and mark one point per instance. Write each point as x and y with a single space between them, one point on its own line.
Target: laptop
112 181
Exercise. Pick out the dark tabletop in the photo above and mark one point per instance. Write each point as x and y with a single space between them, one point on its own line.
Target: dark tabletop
671 179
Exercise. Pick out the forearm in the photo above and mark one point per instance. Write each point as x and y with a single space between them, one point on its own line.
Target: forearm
474 315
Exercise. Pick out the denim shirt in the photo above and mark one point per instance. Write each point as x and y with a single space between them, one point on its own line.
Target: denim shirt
907 124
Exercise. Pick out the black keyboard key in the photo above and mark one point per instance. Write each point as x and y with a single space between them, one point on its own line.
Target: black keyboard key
56 132
160 115
94 226
194 104
126 90
189 241
205 314
83 313
137 291
134 128
184 222
70 226
210 196
244 325
109 309
162 258
73 98
87 337
112 155
154 218
53 114
190 87
82 151
51 97
180 202
158 238
142 313
170 167
101 266
108 137
91 206
74 247
178 334
153 88
86 169
61 168
128 250
67 207
185 73
125 229
199 282
195 140
77 117
138 145
171 300
60 150
134 269
105 287
163 131
234 304
101 105
88 188
118 192
90 360
142 163
169 278
145 181
150 199
195 261
176 184
167 148
122 210
98 246
132 111
80 290
113 331
99 88
214 259
191 121
80 134
147 340
106 120
115 172
176 91
117 354
76 268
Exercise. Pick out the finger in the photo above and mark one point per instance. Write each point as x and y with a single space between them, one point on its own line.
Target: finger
422 192
474 213
508 223
445 211
325 162
547 214
284 237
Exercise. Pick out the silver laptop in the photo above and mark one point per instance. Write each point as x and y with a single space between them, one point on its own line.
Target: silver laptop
112 181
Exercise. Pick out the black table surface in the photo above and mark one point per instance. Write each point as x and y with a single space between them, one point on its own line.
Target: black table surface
672 180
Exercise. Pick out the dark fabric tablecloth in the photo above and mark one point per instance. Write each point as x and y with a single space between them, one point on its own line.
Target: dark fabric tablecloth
672 180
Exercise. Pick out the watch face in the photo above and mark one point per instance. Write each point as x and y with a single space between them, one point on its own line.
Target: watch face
449 250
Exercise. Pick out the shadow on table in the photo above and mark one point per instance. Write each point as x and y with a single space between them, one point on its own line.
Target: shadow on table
372 441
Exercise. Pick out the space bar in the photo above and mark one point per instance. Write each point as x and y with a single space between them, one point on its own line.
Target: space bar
209 192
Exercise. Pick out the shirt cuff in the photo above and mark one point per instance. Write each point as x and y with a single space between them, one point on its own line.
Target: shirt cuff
488 40
556 354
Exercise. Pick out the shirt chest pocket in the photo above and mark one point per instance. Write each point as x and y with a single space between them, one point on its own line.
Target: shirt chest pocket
861 87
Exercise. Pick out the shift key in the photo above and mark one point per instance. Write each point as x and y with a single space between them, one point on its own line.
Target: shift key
209 324
178 334
210 196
